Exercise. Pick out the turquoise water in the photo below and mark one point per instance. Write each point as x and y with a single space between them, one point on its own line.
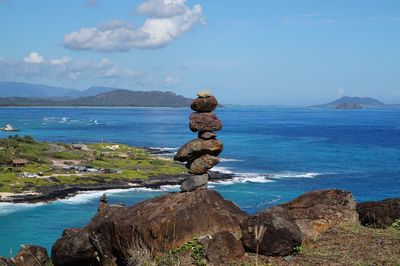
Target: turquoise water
277 154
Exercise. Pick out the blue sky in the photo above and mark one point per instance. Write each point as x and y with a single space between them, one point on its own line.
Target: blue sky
245 51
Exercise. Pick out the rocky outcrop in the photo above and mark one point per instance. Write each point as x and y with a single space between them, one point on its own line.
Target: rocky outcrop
32 255
317 211
74 248
271 232
223 249
152 226
379 214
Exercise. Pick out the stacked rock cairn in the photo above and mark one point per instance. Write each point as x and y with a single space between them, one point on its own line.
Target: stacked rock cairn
201 153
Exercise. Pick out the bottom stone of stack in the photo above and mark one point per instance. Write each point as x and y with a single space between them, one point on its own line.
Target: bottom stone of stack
194 182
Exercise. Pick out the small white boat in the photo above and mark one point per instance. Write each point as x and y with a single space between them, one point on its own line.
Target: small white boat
8 127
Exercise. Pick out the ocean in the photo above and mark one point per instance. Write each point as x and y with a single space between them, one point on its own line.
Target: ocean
276 153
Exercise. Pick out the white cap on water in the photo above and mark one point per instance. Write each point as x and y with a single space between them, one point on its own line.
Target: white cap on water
204 93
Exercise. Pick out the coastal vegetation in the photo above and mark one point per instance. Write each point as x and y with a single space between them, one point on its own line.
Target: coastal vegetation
27 165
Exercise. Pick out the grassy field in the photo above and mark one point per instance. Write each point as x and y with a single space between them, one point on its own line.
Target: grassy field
51 160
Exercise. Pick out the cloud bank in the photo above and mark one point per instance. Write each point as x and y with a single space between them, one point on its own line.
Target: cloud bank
167 21
35 66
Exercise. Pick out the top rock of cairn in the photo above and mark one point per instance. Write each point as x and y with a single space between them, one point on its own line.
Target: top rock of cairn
201 154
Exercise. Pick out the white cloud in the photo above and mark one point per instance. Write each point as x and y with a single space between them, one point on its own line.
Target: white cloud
34 58
64 67
163 8
170 80
61 61
169 20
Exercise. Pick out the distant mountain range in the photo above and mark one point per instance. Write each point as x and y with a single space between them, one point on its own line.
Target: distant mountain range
346 102
25 94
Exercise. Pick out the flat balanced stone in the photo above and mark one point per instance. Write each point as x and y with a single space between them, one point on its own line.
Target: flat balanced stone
204 122
198 147
207 135
194 182
202 164
204 93
204 105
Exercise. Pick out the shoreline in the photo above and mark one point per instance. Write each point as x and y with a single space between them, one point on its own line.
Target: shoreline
54 193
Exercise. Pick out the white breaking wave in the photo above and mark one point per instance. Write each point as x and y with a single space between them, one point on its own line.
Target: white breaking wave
87 196
164 148
294 175
230 160
7 208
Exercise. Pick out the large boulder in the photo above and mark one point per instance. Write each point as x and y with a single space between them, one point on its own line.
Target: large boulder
223 249
317 211
379 214
204 122
202 164
74 248
198 147
271 232
32 255
206 104
159 224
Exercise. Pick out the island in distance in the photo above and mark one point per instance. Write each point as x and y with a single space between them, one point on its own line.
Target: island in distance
349 103
26 94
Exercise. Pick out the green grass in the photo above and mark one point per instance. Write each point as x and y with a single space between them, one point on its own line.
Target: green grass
139 165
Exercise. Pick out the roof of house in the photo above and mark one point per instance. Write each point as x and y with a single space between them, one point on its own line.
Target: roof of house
20 161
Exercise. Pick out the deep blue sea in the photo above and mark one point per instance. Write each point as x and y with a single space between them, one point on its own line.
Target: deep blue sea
277 154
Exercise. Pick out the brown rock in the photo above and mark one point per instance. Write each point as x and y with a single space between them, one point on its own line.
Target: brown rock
274 231
204 122
6 262
74 248
379 214
202 164
194 182
198 147
204 105
160 224
317 211
223 249
207 135
32 255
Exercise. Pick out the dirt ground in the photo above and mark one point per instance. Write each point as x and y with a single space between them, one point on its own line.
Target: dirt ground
348 245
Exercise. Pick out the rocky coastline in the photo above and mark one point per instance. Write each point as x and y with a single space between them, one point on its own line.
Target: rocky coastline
49 194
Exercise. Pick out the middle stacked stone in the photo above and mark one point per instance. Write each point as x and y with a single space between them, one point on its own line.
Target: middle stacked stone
201 154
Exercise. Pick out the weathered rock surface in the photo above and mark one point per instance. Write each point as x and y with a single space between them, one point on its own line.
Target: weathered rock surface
223 249
317 211
204 122
206 135
273 230
202 164
198 147
6 262
379 214
203 105
194 182
74 248
159 224
32 255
